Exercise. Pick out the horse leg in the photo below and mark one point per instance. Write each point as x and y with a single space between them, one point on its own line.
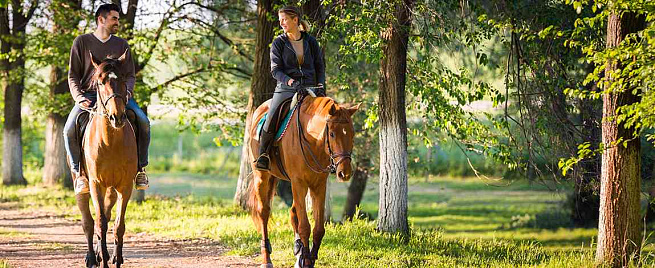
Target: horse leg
302 230
110 200
264 188
87 225
318 209
119 226
98 195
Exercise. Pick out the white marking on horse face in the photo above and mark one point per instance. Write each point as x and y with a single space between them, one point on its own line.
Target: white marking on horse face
101 86
112 75
344 131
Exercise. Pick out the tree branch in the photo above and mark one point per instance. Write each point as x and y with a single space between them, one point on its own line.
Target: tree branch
176 78
153 45
226 40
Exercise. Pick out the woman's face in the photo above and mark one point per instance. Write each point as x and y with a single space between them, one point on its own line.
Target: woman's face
287 23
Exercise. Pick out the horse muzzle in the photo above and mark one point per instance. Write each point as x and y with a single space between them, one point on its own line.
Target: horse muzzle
117 121
344 171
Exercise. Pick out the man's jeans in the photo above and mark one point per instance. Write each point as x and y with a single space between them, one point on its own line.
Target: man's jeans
72 142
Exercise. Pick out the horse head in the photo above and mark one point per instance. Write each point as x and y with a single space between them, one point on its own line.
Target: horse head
340 139
111 89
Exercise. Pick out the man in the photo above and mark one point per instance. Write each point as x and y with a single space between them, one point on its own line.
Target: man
101 43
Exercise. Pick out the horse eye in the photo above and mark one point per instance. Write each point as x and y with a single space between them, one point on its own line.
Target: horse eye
332 134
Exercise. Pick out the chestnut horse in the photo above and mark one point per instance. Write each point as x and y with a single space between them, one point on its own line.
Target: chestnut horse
110 161
318 140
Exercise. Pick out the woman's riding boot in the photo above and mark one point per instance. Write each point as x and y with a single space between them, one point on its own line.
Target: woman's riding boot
265 141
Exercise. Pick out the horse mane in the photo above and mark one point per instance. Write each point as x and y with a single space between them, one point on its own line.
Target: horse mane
321 106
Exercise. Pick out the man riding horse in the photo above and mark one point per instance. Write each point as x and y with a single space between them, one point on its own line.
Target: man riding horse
101 43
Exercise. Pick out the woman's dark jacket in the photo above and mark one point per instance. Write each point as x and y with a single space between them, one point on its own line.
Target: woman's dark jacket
284 63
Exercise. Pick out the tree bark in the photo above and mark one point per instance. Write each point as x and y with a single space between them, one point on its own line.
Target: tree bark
356 189
619 237
262 86
393 124
55 169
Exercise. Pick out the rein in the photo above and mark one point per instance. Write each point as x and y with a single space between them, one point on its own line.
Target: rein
316 166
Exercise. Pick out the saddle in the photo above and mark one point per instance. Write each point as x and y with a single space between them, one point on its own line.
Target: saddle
286 111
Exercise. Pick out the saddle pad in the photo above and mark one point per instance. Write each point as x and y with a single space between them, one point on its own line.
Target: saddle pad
281 130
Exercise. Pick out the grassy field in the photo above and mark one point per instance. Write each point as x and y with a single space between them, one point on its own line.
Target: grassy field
455 222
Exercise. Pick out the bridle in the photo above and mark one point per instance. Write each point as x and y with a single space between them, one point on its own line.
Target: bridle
104 103
316 167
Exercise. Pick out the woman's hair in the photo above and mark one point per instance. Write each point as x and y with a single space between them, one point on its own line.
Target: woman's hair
294 12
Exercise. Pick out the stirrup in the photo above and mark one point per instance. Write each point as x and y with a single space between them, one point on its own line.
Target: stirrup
141 180
80 184
263 162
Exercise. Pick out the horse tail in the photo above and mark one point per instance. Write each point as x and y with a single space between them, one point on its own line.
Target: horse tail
253 198
252 194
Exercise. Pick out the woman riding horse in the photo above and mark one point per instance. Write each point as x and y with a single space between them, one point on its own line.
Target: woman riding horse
296 60
318 140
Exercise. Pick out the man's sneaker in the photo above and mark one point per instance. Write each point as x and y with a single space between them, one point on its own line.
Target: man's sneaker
81 185
141 180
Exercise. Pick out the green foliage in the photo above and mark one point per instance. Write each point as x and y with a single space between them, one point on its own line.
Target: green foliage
634 56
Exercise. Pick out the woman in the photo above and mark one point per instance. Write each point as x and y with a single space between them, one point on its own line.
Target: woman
296 62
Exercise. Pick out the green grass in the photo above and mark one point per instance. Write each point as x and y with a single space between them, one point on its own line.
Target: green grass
4 264
7 233
56 247
454 222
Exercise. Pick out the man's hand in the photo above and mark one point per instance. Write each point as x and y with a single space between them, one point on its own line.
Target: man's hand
85 103
290 82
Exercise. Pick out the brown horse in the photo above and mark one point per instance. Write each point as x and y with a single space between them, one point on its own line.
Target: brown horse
110 161
318 140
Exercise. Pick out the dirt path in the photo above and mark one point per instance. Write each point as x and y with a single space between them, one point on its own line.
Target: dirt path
45 239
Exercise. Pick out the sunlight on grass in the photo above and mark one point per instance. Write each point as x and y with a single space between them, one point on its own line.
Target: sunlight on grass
455 223
56 247
7 233
4 264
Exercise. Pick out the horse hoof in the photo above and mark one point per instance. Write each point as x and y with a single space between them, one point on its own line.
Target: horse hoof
116 260
268 265
90 261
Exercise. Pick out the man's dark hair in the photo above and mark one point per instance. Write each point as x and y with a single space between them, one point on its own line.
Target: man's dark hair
103 10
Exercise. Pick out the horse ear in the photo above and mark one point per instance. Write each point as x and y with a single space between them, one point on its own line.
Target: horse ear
93 60
124 56
333 110
353 109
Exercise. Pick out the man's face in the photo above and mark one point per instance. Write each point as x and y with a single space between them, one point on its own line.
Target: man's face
110 22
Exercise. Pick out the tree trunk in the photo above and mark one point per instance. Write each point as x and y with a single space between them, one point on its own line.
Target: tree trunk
262 85
619 237
55 169
356 189
12 157
393 124
12 161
